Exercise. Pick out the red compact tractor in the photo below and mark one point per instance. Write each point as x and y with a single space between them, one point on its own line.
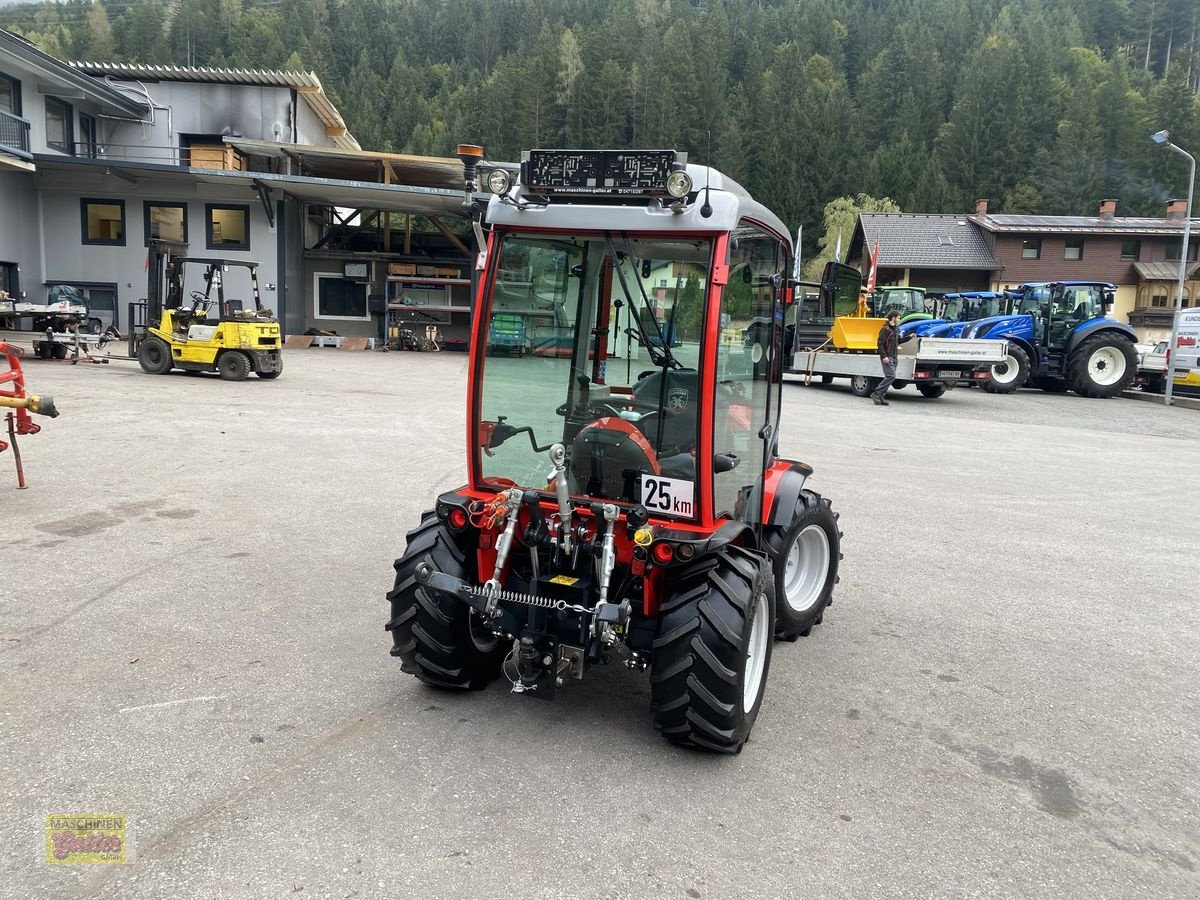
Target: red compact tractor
625 495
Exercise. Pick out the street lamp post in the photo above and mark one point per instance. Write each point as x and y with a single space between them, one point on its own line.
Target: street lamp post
1164 137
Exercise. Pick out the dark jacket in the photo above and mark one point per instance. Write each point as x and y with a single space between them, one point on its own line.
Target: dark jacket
888 341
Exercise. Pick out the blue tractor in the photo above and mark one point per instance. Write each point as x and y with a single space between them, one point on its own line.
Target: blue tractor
1060 338
955 312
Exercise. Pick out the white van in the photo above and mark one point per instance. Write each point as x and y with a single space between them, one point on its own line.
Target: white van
1186 357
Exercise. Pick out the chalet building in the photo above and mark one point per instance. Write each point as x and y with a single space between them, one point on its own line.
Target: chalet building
97 158
986 251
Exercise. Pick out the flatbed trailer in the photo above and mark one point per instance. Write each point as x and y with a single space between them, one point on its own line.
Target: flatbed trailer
934 364
66 338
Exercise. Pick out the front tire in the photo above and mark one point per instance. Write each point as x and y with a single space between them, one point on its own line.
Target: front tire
713 651
154 356
805 557
863 386
1102 366
233 366
1010 375
435 634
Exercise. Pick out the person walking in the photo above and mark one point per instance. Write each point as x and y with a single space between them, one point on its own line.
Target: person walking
889 345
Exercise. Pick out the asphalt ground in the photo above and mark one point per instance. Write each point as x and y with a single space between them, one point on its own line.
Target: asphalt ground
1002 702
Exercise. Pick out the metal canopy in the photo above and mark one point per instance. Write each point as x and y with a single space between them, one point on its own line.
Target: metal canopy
404 198
360 165
1163 271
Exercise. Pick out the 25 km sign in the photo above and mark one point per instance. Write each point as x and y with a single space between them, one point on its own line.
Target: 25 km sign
673 496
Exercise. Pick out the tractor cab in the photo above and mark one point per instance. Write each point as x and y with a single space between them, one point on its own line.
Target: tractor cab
620 363
625 493
910 302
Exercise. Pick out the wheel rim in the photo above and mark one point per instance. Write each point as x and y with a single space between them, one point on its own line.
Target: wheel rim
1005 372
859 383
756 653
1106 366
805 569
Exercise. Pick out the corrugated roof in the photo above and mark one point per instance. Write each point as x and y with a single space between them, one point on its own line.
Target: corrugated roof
306 84
917 241
1163 271
1079 224
57 72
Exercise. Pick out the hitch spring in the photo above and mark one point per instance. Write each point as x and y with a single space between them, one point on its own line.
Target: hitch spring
529 600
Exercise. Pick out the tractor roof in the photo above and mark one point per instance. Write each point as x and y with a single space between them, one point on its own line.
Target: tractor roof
730 204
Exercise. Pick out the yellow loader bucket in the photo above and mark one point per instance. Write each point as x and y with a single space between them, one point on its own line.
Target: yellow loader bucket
853 333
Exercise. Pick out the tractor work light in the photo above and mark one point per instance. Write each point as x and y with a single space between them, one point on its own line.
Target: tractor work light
679 184
499 181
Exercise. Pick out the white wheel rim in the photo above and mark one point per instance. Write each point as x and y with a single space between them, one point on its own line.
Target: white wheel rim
859 383
1006 372
805 569
756 653
1106 366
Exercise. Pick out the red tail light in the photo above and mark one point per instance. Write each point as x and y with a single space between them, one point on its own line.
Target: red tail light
662 552
457 518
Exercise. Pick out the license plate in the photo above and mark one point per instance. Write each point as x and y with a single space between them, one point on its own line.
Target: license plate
949 373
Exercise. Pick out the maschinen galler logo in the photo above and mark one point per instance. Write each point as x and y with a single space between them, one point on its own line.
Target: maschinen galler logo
85 839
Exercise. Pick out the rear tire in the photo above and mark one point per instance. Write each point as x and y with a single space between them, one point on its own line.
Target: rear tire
233 366
713 651
863 386
154 356
805 557
435 634
932 391
1102 366
1010 375
58 351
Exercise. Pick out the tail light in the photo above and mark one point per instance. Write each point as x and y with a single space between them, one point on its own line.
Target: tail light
662 553
457 518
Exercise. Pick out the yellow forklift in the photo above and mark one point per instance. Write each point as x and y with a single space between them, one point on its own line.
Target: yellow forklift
210 331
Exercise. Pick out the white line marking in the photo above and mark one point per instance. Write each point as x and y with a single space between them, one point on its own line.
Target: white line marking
168 703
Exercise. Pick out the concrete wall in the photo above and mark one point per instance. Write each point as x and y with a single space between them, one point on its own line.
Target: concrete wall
60 233
19 229
185 108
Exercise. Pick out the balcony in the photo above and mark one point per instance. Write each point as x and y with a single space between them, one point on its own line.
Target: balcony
14 135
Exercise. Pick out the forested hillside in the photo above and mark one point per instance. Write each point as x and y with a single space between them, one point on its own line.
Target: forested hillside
1041 105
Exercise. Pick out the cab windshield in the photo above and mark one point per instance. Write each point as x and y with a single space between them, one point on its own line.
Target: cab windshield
593 342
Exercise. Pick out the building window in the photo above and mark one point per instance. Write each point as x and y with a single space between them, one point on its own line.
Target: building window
1173 247
336 298
166 222
1131 250
59 133
1031 249
10 94
1074 249
87 136
103 221
227 226
1159 298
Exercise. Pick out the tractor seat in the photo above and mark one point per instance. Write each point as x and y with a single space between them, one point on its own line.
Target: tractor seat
679 405
608 458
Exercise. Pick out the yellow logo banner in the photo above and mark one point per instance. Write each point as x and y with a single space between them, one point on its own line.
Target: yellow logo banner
85 839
